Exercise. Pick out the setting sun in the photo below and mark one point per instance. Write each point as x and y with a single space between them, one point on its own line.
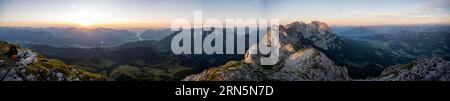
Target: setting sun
83 18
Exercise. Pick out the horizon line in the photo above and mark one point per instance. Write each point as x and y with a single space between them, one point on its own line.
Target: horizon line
159 25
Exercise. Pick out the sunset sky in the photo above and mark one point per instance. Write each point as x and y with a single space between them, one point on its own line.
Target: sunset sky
159 13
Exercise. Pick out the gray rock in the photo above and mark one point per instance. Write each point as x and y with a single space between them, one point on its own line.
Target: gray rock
30 77
310 64
3 73
12 76
2 63
60 76
27 57
295 36
434 69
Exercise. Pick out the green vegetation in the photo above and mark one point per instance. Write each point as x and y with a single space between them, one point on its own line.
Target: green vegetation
214 73
159 72
45 66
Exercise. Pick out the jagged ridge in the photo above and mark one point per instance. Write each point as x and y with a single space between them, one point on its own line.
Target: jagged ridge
299 58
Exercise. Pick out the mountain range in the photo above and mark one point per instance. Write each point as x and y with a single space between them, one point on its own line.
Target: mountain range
78 37
309 51
139 60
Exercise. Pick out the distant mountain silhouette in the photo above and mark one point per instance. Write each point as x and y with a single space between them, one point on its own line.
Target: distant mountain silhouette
77 37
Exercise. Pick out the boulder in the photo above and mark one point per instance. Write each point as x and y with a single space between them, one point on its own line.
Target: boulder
27 57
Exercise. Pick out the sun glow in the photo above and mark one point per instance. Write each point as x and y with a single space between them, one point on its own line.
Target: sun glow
83 18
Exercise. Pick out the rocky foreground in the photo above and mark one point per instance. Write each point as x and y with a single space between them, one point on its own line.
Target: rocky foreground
35 67
434 69
301 59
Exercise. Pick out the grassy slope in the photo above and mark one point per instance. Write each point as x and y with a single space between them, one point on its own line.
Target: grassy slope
45 66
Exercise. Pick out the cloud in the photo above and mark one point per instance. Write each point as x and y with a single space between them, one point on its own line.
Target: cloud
438 8
436 5
391 14
431 9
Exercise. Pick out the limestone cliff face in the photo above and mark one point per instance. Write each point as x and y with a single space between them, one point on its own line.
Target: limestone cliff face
316 33
299 58
309 64
306 64
295 36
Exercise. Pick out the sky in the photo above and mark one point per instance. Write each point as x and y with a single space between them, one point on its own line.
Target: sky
160 13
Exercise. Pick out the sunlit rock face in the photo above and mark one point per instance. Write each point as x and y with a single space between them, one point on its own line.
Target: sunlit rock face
310 64
302 59
299 60
306 64
295 36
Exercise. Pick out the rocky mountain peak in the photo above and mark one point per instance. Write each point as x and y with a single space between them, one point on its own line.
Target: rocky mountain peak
321 26
295 36
316 34
315 27
299 58
298 26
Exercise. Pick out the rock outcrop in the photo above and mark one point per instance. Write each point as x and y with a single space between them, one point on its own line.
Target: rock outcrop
306 64
309 64
433 69
27 56
295 36
231 71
